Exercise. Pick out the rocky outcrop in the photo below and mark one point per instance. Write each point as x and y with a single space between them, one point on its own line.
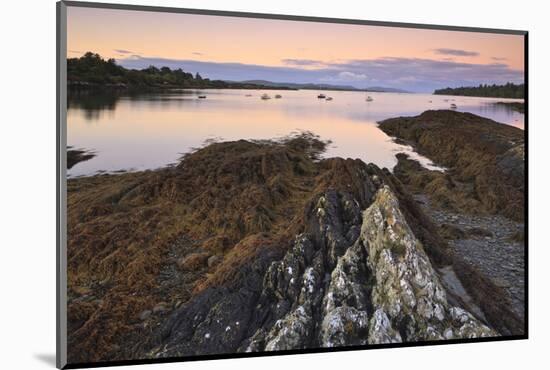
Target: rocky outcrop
485 158
353 278
75 156
407 294
139 238
254 246
484 249
476 205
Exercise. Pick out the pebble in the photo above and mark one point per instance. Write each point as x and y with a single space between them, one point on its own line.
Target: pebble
498 257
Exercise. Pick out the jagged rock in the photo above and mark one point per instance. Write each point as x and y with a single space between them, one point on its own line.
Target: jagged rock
297 266
292 332
345 304
344 326
282 279
381 330
329 227
407 293
476 243
218 320
351 279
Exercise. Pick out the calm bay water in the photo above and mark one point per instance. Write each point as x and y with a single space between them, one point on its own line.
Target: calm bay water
130 133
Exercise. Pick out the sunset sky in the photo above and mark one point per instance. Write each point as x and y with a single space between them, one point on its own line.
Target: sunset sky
238 49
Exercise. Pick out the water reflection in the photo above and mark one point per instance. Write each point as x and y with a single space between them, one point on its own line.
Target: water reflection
92 105
152 130
498 112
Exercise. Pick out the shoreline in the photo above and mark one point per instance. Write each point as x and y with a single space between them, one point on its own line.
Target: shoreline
397 140
157 89
271 200
75 156
471 147
203 234
480 176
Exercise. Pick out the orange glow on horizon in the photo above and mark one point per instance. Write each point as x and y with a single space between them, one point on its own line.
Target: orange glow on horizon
267 42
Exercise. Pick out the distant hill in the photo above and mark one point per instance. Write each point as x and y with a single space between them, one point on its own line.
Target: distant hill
386 89
312 86
304 86
91 71
508 90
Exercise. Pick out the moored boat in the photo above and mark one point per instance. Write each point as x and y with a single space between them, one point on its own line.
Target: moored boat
265 97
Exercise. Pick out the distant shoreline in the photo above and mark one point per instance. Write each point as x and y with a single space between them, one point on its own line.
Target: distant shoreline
92 72
507 91
87 86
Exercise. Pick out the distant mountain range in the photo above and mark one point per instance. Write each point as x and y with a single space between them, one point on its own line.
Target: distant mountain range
311 86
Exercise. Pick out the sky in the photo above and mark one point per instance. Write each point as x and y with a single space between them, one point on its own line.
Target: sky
239 49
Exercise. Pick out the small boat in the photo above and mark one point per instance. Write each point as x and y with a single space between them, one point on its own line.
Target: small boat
329 98
453 106
265 97
429 101
369 98
278 96
202 96
248 95
321 96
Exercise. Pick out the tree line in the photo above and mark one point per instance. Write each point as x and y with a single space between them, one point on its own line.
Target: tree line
509 90
93 71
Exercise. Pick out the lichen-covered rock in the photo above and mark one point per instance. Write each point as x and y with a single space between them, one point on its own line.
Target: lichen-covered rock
348 281
353 278
345 314
334 224
283 278
410 302
344 326
292 332
381 330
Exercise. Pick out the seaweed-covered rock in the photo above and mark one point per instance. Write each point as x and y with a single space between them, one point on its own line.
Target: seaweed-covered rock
334 287
482 154
312 253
